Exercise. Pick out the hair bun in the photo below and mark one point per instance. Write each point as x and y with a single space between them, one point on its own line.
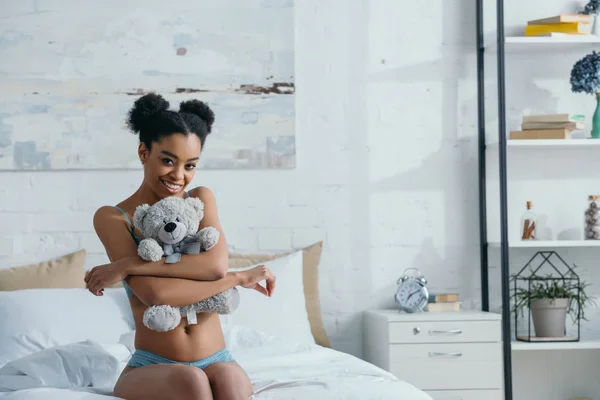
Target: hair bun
144 109
199 108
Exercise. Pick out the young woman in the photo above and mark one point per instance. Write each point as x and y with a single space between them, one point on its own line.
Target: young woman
191 361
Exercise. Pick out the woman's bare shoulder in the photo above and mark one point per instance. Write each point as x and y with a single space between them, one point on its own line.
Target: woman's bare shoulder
203 193
114 233
106 216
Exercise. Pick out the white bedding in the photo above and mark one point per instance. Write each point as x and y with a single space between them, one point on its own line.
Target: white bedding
279 369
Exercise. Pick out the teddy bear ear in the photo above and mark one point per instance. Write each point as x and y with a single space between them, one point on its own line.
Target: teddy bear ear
139 215
196 203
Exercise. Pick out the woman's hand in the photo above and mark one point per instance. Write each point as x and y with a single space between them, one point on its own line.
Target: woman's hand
103 276
250 279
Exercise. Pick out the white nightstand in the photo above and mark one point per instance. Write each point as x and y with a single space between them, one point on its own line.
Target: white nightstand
451 356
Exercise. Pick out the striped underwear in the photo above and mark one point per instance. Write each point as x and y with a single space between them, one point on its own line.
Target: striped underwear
142 358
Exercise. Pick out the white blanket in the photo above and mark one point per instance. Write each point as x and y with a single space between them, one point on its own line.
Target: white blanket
87 369
281 369
278 369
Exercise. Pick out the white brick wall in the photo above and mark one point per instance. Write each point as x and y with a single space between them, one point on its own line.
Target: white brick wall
386 129
374 127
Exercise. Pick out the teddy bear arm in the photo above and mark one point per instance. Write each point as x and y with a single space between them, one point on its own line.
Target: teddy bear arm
150 250
208 237
222 303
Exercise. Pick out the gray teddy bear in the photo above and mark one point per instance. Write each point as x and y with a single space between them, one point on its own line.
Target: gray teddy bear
170 229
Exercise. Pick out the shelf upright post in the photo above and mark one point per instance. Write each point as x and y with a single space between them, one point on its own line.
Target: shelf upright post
481 152
504 261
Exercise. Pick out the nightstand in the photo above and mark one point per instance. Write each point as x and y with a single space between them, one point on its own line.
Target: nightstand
449 355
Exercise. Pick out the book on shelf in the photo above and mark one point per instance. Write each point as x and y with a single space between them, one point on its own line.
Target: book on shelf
541 134
560 34
443 297
443 307
561 19
549 126
443 302
572 28
552 125
561 118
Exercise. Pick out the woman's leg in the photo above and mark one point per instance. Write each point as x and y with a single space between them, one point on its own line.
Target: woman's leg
163 381
229 381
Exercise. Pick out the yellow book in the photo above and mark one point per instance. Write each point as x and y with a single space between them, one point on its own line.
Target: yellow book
573 28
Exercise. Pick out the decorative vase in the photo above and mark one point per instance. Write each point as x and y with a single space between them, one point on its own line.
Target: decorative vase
549 317
596 25
592 218
596 119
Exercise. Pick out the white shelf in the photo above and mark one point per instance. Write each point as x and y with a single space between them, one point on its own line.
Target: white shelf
558 44
559 143
537 346
566 39
550 243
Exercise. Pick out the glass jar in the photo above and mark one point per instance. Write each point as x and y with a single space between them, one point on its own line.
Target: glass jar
528 223
592 218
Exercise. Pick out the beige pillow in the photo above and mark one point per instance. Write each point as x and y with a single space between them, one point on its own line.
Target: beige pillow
310 277
64 272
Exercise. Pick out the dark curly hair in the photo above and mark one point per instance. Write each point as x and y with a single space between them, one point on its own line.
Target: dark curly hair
151 119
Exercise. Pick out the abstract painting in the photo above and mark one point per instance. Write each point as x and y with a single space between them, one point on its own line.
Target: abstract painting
70 71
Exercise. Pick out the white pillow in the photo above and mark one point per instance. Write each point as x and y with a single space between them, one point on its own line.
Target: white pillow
284 314
35 319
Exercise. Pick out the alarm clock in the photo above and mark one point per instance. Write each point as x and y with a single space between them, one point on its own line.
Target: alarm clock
412 295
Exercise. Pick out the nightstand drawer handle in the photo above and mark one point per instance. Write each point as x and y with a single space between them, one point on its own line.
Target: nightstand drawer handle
452 332
445 354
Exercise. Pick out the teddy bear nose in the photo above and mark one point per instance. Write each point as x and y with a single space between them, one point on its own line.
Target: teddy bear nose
170 227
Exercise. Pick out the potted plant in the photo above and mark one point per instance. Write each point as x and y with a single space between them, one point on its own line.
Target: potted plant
585 78
549 300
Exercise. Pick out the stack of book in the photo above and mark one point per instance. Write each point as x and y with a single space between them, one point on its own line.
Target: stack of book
560 25
443 302
549 126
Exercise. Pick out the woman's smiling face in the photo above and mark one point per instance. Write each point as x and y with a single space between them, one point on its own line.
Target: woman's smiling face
170 165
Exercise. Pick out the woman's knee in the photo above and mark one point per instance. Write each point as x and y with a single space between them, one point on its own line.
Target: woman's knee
189 382
229 380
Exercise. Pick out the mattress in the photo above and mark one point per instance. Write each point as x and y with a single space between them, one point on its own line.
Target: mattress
278 369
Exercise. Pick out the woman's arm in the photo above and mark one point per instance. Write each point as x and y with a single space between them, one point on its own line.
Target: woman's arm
152 290
191 266
179 292
206 266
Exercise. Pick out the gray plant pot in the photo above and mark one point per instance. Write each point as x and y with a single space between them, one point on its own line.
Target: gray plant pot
549 317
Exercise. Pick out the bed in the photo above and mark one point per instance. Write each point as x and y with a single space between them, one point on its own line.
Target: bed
64 343
279 369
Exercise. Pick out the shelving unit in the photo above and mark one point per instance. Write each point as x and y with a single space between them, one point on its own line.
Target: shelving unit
557 45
